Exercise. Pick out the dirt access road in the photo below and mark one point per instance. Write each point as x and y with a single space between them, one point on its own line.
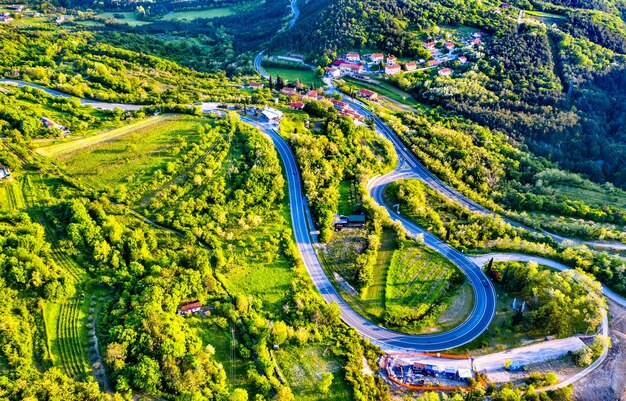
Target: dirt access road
608 382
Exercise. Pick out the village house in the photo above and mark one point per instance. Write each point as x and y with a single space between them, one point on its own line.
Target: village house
444 72
255 85
391 60
340 106
429 46
375 58
296 105
353 57
352 221
288 91
410 66
351 69
353 115
368 94
337 63
5 17
393 69
271 115
5 172
475 41
449 45
462 59
62 18
332 72
312 94
48 123
433 63
190 308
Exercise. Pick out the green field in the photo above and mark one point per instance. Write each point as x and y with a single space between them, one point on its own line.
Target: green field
545 16
290 75
67 336
191 15
259 269
129 155
11 197
373 299
66 146
303 367
349 202
419 285
385 89
591 196
220 340
130 18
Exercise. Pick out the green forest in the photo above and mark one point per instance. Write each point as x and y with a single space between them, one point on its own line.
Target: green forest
141 174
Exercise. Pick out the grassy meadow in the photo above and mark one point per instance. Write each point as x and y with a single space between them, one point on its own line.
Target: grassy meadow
303 367
195 14
129 155
290 75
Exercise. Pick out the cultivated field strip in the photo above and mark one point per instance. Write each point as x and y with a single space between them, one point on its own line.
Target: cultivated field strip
72 352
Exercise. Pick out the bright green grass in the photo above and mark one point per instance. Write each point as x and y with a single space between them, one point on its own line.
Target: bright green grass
544 15
130 18
347 202
11 196
417 276
590 196
67 336
220 340
191 15
306 76
66 146
373 299
303 368
59 116
132 155
388 90
256 264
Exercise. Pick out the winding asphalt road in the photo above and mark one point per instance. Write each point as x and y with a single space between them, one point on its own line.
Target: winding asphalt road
387 339
292 22
409 167
408 161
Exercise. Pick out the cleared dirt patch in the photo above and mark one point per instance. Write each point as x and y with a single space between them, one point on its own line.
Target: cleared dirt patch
608 382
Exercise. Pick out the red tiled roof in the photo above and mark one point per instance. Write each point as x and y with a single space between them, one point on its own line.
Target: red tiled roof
433 62
366 92
190 306
296 105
